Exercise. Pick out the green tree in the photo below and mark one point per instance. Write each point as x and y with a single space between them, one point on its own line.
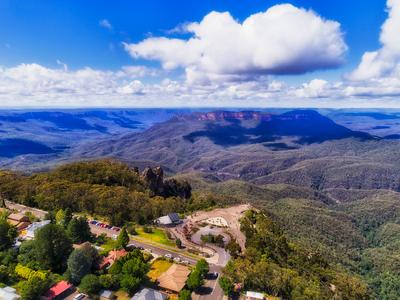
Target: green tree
33 288
185 295
8 234
123 238
81 262
90 284
233 248
195 280
226 285
202 267
178 243
27 255
109 282
79 265
132 274
78 230
63 217
52 246
3 274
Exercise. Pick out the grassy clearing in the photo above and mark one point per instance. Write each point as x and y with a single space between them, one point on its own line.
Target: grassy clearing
121 295
157 236
158 267
109 245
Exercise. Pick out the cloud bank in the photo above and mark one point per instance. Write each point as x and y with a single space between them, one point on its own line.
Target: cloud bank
225 63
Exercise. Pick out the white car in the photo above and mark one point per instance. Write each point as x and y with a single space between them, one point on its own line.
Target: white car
79 296
168 256
177 259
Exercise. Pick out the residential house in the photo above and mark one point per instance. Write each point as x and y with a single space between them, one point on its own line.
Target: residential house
106 295
149 294
9 293
169 220
20 221
31 229
112 257
59 291
174 279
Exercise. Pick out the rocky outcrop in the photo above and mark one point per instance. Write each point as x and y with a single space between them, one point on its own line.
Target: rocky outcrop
153 179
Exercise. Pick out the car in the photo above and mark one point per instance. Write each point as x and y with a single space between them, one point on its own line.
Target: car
79 296
177 259
117 229
93 222
148 250
168 256
186 262
108 226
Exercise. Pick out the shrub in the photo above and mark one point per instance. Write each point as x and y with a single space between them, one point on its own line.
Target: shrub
90 284
28 273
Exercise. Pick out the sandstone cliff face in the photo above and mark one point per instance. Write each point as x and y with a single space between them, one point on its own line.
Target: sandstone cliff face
153 178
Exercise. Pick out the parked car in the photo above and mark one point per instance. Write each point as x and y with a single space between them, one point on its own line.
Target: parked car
79 296
168 256
148 250
116 229
177 259
108 226
93 222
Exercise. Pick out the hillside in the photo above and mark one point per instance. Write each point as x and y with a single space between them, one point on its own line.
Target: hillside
300 148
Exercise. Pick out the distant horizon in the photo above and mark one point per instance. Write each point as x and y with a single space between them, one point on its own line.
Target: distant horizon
46 108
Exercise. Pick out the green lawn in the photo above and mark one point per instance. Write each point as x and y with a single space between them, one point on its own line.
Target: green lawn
157 236
158 267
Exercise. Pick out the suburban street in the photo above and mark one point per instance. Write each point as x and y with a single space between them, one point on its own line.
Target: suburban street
211 289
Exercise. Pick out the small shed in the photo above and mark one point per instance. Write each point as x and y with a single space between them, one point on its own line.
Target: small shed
106 295
254 296
149 294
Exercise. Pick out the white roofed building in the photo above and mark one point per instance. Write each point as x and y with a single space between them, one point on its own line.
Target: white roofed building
168 220
254 296
9 293
31 229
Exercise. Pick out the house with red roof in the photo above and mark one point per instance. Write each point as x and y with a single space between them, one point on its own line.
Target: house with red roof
113 256
58 291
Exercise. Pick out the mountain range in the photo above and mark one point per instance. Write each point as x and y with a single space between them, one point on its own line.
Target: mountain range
330 178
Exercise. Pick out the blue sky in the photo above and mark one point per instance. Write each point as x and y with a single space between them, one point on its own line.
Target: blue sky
41 38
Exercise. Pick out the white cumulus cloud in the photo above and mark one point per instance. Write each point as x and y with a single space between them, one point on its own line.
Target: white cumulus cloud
384 62
282 40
